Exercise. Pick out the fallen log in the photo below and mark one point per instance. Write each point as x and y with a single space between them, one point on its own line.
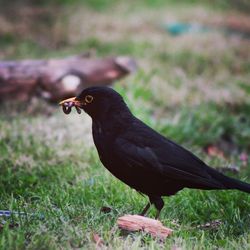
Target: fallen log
140 223
56 79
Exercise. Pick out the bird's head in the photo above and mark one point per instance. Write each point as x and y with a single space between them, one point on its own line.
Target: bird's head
98 102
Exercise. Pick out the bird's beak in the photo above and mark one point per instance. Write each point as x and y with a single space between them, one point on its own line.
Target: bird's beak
67 104
71 101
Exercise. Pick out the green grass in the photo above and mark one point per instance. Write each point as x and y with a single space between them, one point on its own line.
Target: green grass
65 191
193 89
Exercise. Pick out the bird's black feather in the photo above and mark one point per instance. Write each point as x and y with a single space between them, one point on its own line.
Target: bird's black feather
143 158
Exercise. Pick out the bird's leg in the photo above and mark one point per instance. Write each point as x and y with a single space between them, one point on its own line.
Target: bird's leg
157 214
159 204
144 211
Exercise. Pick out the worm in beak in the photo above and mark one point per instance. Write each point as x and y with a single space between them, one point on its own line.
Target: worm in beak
69 103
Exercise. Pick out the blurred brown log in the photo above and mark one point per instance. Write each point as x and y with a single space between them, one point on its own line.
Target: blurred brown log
140 223
55 79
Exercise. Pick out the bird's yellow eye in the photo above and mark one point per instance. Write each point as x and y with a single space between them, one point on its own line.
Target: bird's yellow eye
89 98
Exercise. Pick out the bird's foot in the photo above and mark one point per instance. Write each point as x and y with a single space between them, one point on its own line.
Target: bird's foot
144 211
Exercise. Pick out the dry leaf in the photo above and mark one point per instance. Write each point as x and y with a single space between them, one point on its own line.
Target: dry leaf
140 223
105 209
244 158
214 151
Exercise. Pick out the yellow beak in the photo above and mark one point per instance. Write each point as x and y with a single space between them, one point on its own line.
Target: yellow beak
72 99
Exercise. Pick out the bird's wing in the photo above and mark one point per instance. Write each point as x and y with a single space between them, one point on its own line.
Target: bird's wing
153 161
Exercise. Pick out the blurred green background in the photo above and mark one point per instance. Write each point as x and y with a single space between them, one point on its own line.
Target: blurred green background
193 87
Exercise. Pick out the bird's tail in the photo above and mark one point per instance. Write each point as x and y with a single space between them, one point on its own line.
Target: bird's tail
231 183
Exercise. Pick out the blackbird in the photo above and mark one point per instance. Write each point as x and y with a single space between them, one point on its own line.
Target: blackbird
141 157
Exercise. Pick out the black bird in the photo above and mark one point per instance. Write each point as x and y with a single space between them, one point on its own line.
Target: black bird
139 156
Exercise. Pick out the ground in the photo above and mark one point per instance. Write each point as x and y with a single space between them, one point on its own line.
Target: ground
193 88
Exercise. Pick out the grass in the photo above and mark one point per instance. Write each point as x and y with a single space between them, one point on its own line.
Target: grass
193 89
65 188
